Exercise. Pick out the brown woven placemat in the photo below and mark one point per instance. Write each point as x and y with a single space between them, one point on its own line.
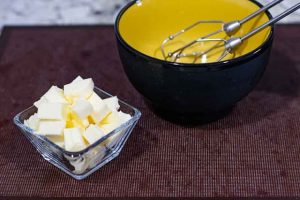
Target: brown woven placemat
254 151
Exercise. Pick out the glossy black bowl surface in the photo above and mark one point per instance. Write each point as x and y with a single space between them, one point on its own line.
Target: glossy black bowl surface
193 92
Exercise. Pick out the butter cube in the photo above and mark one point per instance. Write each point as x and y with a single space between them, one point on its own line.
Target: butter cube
116 120
73 140
101 110
71 99
111 118
124 117
58 140
79 89
52 111
74 121
85 122
112 103
32 122
55 95
81 123
113 121
107 128
78 78
82 108
48 127
40 101
93 133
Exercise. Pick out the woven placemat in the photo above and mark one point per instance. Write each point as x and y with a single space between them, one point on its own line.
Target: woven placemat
254 151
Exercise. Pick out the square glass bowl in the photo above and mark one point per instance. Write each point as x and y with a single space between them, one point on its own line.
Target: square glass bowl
81 164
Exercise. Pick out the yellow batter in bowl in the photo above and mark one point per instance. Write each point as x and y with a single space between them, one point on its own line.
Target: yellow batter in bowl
146 23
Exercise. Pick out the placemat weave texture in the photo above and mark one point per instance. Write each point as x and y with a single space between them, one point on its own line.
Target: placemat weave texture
254 151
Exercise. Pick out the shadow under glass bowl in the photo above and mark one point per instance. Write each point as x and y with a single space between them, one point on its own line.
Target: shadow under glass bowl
184 92
81 164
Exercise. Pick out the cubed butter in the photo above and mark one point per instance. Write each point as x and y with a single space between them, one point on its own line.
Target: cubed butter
75 121
79 89
100 109
48 127
124 117
93 133
113 121
55 95
58 140
52 111
100 114
85 122
76 116
78 78
112 103
80 123
82 108
40 101
73 140
107 128
70 124
111 118
32 122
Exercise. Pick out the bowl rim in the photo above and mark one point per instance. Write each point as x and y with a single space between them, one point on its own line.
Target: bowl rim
210 66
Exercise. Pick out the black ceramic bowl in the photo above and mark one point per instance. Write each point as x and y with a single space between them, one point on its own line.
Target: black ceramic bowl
203 92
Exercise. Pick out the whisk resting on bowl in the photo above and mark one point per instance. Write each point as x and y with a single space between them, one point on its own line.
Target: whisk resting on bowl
220 46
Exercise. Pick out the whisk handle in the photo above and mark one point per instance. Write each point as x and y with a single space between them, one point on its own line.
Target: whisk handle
272 21
266 7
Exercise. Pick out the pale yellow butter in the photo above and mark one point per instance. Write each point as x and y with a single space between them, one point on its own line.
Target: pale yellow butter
33 122
100 109
52 111
55 95
113 121
76 116
73 139
82 108
47 127
93 133
78 78
58 140
112 103
40 101
79 89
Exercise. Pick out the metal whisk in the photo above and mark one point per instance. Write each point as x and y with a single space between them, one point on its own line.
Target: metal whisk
229 28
